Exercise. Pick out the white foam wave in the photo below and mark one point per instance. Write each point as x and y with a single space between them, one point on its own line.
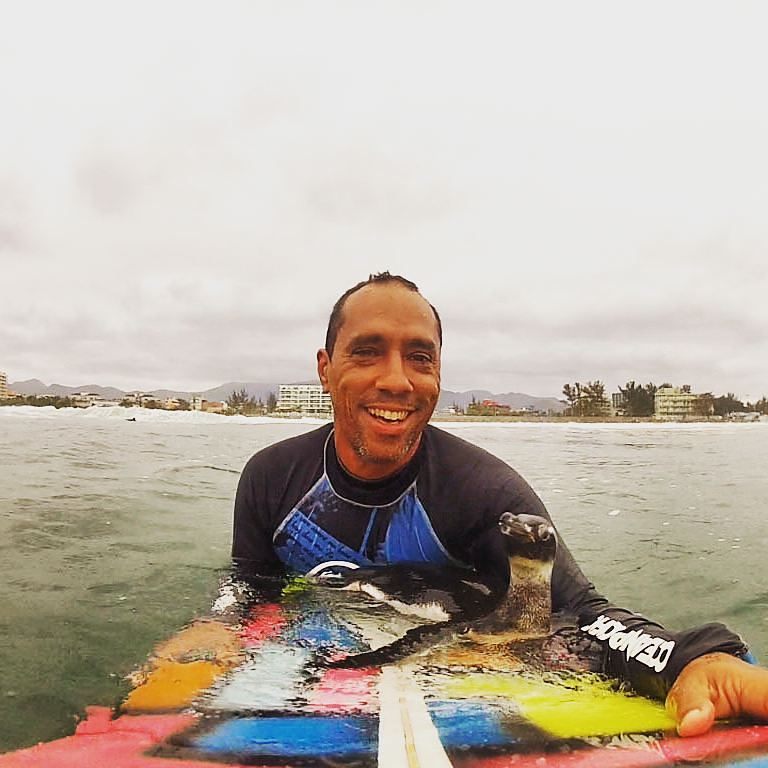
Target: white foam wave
153 415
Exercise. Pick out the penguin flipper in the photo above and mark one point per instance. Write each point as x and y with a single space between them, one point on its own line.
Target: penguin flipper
413 641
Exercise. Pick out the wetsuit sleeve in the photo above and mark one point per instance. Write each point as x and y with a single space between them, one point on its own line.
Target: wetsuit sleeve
252 549
635 649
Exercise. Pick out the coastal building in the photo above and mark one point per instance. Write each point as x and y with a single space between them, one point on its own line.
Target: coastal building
90 400
307 399
145 400
488 408
676 404
3 385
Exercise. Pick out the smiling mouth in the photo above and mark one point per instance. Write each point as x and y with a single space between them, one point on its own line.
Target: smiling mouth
391 417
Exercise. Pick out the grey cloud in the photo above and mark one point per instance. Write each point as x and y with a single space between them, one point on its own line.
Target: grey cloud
366 187
12 238
691 320
15 227
108 183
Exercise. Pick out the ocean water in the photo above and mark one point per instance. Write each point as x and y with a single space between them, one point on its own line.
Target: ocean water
113 533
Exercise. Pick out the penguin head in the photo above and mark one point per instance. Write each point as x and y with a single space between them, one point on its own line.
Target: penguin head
528 536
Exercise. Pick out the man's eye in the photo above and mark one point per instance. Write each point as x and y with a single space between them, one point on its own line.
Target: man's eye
421 357
364 352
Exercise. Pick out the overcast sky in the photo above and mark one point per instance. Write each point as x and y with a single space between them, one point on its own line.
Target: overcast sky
580 188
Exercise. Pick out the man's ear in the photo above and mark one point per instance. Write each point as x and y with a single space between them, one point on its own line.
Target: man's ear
323 361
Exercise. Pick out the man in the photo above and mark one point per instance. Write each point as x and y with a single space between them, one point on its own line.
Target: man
380 486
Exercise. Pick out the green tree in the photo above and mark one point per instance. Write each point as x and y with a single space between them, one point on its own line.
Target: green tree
593 401
705 404
239 400
271 402
572 394
726 404
638 400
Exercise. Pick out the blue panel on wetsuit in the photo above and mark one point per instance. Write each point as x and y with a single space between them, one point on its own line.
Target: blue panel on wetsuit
411 538
316 737
302 544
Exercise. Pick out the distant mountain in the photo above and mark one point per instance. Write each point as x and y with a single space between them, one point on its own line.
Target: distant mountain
29 387
36 387
260 390
515 400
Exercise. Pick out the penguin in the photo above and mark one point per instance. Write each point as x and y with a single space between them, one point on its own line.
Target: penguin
456 601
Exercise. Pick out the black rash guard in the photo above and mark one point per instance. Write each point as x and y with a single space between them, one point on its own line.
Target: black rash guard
460 491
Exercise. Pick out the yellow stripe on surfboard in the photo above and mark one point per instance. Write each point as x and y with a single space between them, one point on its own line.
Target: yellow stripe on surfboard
571 707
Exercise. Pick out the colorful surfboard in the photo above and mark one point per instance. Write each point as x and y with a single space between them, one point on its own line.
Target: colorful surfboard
260 697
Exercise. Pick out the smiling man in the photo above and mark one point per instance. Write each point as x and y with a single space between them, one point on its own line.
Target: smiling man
381 486
381 365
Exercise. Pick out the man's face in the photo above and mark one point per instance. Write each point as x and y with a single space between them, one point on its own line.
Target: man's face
384 378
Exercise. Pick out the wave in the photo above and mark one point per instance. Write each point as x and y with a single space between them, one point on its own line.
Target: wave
149 415
116 413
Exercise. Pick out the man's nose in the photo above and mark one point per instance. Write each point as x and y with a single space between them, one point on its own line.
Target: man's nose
393 374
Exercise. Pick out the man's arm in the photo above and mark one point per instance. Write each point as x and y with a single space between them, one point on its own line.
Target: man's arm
636 649
701 671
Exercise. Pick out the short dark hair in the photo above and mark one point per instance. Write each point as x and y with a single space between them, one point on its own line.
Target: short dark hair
380 278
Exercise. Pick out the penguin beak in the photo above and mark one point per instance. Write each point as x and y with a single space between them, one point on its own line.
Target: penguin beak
526 528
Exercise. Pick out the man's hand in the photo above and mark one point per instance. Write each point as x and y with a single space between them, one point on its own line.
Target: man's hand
717 686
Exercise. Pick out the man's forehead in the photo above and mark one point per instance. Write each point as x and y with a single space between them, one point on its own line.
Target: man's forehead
382 296
390 301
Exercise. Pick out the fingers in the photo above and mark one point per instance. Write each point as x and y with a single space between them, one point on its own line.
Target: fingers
717 686
696 721
690 704
691 700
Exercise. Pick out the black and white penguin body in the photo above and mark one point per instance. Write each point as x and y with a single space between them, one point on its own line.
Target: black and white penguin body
455 600
428 592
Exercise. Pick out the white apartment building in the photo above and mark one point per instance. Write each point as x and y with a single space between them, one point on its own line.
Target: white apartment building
675 404
304 398
3 384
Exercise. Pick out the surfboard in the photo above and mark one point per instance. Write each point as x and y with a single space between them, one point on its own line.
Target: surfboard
262 698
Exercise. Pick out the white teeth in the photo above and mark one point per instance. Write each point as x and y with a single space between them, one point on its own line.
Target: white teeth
388 415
